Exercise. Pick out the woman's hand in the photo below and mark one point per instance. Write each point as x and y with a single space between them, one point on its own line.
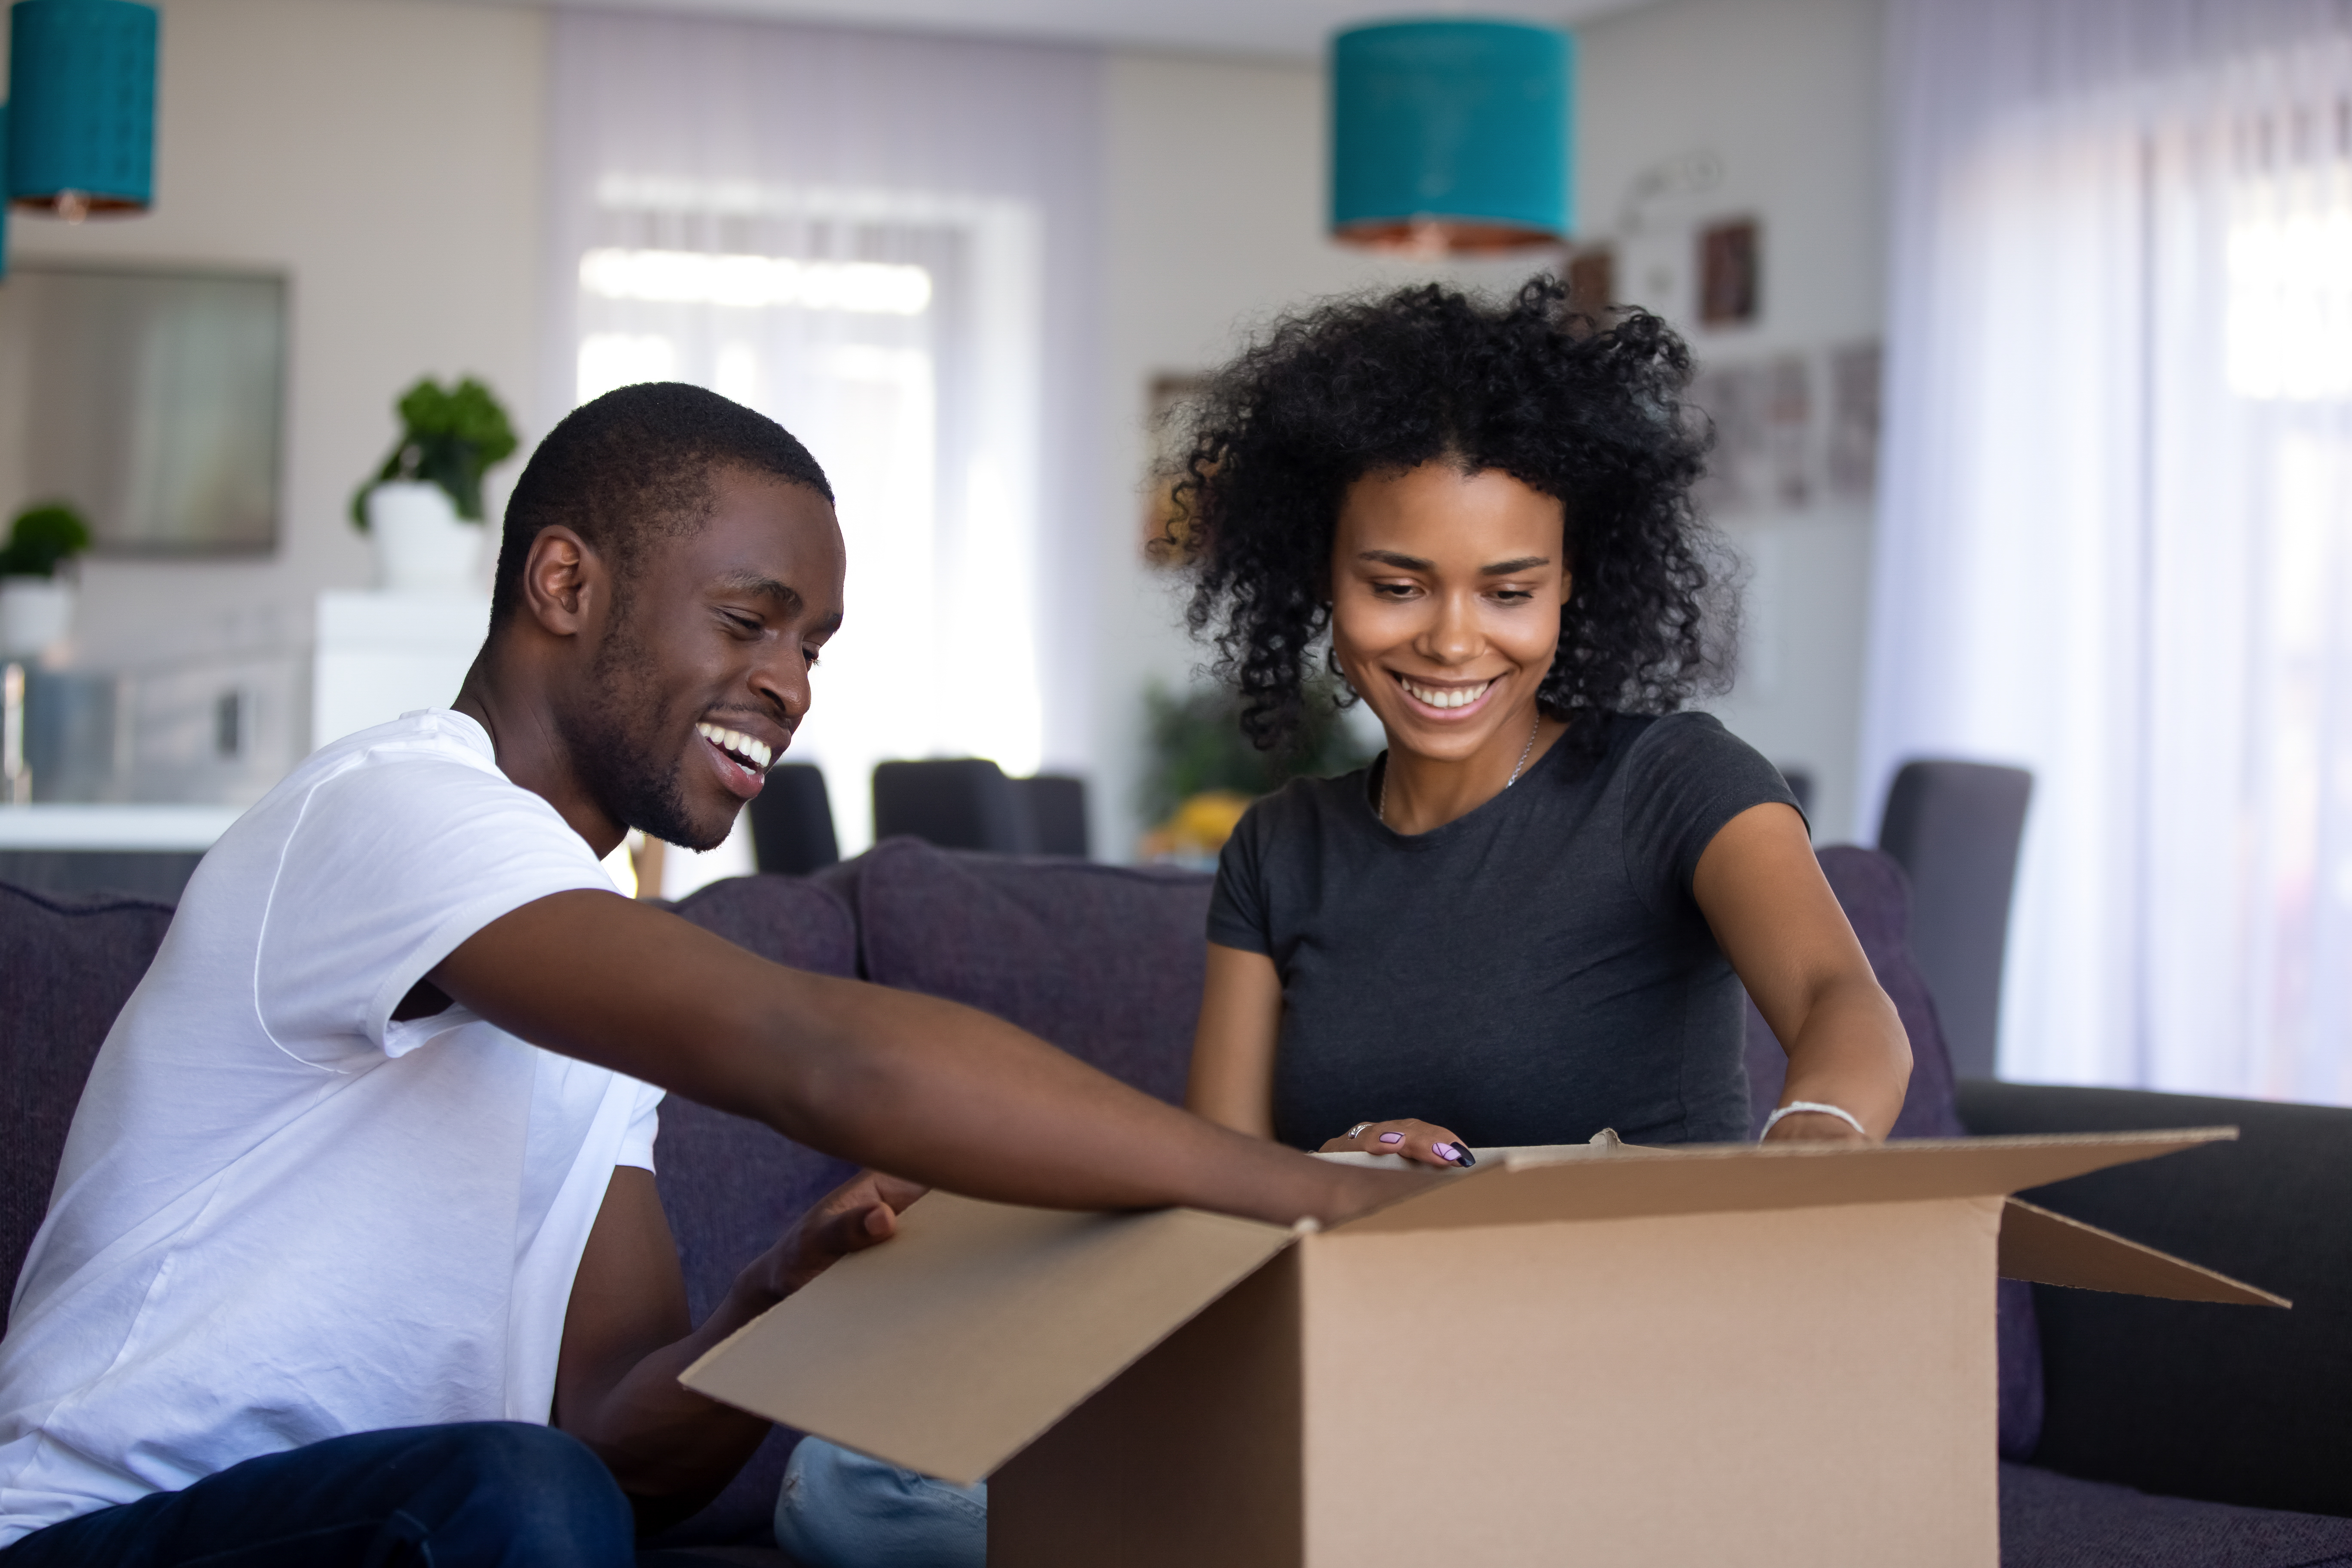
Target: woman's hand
1420 1141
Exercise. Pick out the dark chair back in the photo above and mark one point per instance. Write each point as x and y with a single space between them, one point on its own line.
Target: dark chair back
1058 813
792 822
1954 828
964 803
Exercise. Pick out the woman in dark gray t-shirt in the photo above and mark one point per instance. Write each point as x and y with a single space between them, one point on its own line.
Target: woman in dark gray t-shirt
1532 917
1529 972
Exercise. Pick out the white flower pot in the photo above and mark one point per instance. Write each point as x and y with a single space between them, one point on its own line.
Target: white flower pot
420 541
35 614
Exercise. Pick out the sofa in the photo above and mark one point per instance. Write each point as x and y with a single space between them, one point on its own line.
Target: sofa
2132 1432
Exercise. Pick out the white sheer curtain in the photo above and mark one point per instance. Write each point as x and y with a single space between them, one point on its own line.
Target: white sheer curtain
887 243
2116 536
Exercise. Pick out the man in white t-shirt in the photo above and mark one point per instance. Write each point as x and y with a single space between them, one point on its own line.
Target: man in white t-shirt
354 1255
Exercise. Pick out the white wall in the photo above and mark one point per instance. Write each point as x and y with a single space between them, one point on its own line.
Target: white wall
384 155
1785 94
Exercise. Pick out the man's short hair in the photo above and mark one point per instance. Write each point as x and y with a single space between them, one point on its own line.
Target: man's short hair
634 465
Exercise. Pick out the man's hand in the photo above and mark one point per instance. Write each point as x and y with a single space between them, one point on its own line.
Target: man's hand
627 1336
862 1212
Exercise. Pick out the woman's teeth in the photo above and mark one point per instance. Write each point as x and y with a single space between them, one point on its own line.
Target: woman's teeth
753 755
1447 695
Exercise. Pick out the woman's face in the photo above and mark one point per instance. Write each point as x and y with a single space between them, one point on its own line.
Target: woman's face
1446 591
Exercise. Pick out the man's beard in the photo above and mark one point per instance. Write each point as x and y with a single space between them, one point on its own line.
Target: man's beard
628 773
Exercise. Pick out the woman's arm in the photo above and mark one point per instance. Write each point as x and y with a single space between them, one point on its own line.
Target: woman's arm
1774 916
1232 1082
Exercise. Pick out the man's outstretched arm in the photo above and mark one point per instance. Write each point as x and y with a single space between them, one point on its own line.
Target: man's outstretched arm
930 1091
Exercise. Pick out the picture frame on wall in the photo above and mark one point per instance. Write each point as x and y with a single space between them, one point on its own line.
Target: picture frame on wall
152 400
1731 272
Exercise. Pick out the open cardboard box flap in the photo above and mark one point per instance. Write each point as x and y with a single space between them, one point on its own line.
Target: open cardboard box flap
958 1344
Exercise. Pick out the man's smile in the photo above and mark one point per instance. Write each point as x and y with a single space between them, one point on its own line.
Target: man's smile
742 759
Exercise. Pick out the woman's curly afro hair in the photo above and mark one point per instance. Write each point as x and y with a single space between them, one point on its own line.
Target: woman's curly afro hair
1587 412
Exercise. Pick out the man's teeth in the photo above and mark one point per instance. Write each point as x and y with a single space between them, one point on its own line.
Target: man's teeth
752 753
1448 696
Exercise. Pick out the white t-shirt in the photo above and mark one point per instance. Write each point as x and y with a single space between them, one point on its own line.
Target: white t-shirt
281 1216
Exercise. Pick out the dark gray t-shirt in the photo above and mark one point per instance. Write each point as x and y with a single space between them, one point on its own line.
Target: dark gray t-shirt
1528 974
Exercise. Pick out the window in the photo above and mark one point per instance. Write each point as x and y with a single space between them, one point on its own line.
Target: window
893 334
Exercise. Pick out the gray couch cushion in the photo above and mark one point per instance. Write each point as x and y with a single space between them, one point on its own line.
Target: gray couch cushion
2049 1521
1103 961
68 963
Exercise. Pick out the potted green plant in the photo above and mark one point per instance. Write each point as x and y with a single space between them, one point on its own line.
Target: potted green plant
1204 771
36 600
424 508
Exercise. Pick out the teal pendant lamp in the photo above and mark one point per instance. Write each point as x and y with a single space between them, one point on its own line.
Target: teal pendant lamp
81 95
1449 135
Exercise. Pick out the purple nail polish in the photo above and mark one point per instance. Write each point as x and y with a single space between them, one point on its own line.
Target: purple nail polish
1391 1137
1446 1151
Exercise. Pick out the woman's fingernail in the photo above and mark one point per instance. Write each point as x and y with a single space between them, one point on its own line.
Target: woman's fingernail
1391 1137
1447 1151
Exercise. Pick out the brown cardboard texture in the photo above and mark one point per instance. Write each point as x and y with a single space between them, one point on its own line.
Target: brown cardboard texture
1739 1353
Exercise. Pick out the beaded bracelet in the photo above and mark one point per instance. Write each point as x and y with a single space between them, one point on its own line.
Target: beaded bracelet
1794 1106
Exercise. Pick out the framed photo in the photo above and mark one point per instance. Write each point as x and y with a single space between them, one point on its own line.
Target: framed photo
1731 261
1592 280
152 401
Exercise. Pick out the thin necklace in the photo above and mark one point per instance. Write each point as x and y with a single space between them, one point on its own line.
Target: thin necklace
1381 809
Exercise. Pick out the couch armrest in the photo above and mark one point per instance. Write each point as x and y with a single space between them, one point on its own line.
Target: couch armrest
2239 1405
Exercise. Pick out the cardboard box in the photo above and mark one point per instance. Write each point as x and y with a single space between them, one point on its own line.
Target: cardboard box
1730 1354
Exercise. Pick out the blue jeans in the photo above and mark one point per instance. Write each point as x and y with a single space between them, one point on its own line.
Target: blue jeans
484 1494
841 1509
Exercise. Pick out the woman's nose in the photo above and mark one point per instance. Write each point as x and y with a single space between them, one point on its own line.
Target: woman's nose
1453 635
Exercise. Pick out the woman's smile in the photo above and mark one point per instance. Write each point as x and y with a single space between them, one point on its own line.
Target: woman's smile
1447 700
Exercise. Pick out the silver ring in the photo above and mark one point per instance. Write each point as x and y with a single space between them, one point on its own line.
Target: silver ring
1357 1129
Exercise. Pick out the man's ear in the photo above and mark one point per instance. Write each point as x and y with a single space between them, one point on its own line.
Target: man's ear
565 584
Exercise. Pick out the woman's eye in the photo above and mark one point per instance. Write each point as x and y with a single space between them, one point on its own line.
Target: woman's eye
1514 595
809 657
1394 590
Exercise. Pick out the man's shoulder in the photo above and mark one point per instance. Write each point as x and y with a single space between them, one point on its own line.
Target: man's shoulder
418 752
421 776
426 736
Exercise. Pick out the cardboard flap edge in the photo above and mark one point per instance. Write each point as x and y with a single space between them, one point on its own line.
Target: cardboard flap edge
2002 1165
2049 1248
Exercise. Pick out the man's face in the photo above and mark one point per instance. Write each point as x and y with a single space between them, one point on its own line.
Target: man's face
700 684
